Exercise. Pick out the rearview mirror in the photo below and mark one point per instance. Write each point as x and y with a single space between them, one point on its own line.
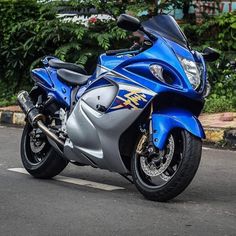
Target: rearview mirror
128 22
210 54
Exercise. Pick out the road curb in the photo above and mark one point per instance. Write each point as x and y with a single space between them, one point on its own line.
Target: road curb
12 118
216 136
220 137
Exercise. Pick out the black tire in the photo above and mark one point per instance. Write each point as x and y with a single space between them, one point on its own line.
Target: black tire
190 159
52 163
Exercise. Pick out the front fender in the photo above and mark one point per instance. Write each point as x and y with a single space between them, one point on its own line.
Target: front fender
165 121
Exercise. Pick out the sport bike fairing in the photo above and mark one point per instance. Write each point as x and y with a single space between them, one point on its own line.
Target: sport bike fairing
117 94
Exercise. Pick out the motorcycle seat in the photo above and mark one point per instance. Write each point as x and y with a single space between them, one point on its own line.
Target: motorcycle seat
58 64
72 78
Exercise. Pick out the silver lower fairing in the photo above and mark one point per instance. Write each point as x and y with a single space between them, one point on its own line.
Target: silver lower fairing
94 136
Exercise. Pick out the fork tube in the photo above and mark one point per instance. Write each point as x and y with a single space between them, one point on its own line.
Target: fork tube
150 124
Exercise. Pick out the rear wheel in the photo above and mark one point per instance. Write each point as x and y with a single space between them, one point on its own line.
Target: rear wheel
38 156
162 175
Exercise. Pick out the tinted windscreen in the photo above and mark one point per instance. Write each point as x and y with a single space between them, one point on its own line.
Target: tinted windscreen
166 26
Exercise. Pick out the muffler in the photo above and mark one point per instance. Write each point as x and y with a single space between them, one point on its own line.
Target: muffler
27 106
35 118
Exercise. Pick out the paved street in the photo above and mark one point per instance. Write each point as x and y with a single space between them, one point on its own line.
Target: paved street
30 206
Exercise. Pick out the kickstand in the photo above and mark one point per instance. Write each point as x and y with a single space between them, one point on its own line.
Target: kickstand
127 178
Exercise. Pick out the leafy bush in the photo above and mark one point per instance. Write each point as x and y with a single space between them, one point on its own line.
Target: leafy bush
219 104
220 33
7 102
31 29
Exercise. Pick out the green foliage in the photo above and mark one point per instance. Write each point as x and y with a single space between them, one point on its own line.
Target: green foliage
31 29
223 95
219 104
8 102
218 32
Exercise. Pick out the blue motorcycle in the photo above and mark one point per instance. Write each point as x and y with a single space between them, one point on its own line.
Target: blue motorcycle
136 115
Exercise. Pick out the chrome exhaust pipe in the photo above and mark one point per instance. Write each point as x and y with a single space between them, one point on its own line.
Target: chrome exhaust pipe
34 117
50 134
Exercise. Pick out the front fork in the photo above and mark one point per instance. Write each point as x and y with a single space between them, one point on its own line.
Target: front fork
147 136
150 136
150 124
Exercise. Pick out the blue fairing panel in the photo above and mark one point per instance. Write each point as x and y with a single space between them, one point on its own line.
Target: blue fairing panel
165 121
42 77
48 80
111 62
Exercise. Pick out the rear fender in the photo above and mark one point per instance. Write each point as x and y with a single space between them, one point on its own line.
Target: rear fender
165 121
41 77
47 79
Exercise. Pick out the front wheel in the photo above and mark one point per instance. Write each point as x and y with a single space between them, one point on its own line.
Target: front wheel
162 175
38 156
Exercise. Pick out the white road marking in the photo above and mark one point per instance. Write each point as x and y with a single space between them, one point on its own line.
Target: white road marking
218 150
10 127
19 170
80 182
87 183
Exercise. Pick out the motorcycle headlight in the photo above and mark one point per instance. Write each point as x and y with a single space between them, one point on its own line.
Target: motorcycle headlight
192 71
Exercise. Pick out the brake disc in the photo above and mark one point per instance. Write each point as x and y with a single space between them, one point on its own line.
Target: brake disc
36 142
150 168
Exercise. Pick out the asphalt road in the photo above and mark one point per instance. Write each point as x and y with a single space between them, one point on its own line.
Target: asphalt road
30 206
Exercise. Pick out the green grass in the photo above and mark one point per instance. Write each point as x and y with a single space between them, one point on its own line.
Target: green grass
8 102
220 104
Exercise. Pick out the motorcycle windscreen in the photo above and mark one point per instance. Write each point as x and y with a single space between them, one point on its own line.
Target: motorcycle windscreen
167 27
